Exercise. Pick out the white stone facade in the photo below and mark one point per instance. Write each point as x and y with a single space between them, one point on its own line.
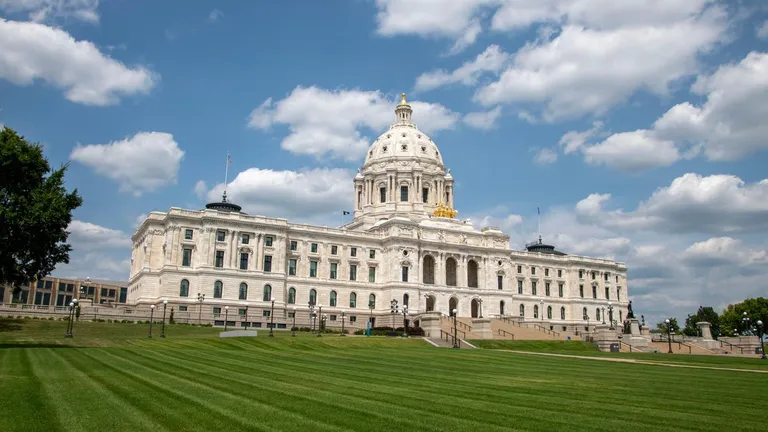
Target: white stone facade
410 251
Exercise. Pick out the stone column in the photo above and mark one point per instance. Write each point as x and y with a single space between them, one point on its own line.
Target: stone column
482 327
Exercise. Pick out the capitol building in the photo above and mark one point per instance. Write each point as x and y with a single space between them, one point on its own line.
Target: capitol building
403 243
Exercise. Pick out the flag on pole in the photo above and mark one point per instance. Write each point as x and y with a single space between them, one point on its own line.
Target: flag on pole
344 213
537 210
229 159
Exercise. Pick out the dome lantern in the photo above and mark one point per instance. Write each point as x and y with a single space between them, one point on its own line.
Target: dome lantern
403 111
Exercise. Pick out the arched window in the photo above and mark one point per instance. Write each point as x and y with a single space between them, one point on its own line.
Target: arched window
267 293
522 310
472 274
597 314
428 272
218 289
405 299
292 296
549 312
353 300
372 301
333 298
450 271
312 297
184 288
584 315
562 313
501 307
243 295
535 311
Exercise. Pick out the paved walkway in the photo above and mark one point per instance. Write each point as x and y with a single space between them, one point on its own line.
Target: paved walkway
636 361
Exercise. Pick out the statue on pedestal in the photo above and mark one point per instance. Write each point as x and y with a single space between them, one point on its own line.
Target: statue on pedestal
642 317
630 314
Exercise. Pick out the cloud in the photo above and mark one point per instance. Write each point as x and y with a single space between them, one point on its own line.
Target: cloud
316 195
721 251
141 163
492 60
632 151
589 67
762 30
545 156
48 10
33 52
85 235
574 140
332 122
201 189
483 120
215 15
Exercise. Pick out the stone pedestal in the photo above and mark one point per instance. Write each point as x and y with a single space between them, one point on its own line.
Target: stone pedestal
482 328
430 323
605 337
645 330
634 327
705 329
636 338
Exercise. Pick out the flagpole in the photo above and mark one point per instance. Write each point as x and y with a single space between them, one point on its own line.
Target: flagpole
538 219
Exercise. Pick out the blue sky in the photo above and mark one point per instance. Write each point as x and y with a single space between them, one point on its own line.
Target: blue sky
638 128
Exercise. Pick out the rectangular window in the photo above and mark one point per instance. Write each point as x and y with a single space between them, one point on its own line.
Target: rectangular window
111 293
62 286
559 273
313 269
334 267
533 287
500 281
220 235
405 273
70 287
383 195
243 261
353 251
334 249
607 293
245 238
124 295
372 254
313 248
216 310
352 318
268 241
352 272
594 292
103 292
186 258
265 313
519 269
48 284
182 308
403 193
519 286
546 289
581 291
618 294
294 245
291 267
188 234
617 278
581 274
546 272
40 283
533 270
267 263
425 195
559 290
371 274
593 275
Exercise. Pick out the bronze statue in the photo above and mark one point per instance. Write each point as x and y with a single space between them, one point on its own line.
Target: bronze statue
630 314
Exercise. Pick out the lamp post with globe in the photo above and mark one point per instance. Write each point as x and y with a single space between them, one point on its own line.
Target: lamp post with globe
151 319
165 304
272 318
455 330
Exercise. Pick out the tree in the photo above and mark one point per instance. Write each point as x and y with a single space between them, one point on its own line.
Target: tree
732 317
705 313
662 326
35 210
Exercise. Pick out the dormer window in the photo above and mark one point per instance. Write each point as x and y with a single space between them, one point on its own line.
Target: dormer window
404 147
384 149
423 148
425 195
404 193
383 194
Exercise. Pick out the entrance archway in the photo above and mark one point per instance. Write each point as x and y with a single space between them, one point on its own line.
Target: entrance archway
475 308
453 303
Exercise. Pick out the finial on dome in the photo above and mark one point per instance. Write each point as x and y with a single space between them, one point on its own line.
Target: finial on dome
403 111
402 99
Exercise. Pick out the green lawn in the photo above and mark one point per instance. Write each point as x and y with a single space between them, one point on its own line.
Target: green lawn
111 377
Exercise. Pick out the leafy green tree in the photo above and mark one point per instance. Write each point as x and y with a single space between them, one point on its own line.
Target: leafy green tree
732 317
705 313
35 210
662 326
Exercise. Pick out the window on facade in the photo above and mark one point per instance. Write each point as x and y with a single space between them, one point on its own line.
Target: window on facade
216 310
313 269
472 271
40 283
533 270
267 293
245 238
605 276
618 294
559 273
594 292
184 288
501 307
581 274
267 263
383 195
404 271
519 286
353 300
182 308
372 301
243 261
371 274
546 272
186 257
593 275
425 195
428 270
607 293
243 294
353 251
313 248
519 269
559 290
406 298
294 245
333 298
522 310
266 314
292 267
334 249
535 311
597 314
533 287
562 313
450 271
617 278
372 254
584 314
403 193
268 240
292 296
334 268
312 297
500 282
188 234
546 289
219 259
549 312
218 289
581 291
221 236
352 272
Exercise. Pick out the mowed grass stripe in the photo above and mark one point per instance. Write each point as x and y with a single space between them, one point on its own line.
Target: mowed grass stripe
24 404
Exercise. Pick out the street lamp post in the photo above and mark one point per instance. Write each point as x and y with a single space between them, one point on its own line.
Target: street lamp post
200 298
165 304
293 328
246 316
455 330
226 317
760 334
151 319
745 321
343 312
610 315
319 325
272 318
669 334
311 308
371 305
393 310
603 310
405 320
71 323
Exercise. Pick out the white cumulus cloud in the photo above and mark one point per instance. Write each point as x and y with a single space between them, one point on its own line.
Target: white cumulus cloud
48 10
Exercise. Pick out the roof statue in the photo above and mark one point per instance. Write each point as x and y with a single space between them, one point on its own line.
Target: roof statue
445 211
